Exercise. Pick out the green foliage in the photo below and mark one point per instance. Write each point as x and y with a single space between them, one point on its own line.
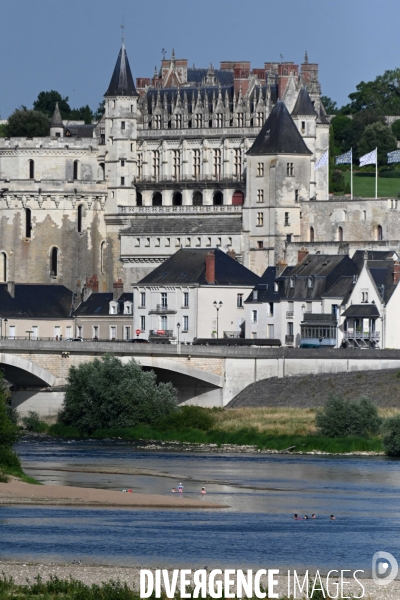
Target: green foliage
337 181
330 105
108 393
27 123
188 417
100 111
3 130
58 429
396 129
341 418
382 95
347 188
33 423
378 136
46 103
81 114
391 436
4 478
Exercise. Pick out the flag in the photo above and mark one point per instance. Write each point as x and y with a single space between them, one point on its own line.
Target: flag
344 159
323 161
393 157
368 159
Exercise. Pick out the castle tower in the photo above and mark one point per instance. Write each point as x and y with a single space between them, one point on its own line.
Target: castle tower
121 135
56 124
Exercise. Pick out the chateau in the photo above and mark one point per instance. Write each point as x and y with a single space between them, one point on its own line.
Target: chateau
189 158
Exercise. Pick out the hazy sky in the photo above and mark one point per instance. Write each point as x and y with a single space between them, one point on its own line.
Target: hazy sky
72 46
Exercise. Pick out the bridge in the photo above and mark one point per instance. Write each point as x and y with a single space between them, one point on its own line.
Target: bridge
205 375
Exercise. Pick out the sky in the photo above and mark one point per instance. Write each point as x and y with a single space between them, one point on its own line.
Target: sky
72 46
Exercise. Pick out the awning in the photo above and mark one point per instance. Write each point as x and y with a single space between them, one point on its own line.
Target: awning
362 310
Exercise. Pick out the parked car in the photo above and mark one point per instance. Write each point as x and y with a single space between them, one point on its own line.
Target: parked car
78 339
138 341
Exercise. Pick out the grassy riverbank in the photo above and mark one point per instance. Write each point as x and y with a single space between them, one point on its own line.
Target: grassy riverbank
265 428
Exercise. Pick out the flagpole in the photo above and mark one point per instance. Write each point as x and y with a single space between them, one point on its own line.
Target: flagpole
376 172
327 178
351 175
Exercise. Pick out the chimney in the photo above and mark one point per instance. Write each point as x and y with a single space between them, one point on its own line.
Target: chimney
91 287
210 267
11 288
396 272
301 254
118 287
231 253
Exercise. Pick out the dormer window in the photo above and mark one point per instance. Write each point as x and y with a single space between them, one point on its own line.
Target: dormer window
113 310
127 308
292 282
255 295
310 283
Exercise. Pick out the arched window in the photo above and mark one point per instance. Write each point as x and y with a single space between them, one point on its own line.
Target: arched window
54 262
197 199
340 234
238 198
75 169
80 216
312 234
218 199
139 199
157 199
379 233
177 199
3 267
102 256
28 222
102 171
31 169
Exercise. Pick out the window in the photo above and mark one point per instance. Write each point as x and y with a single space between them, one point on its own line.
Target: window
239 118
75 175
287 218
291 282
35 332
80 213
335 309
364 215
185 323
178 121
270 307
311 234
157 199
122 163
260 219
54 262
188 242
95 332
28 222
139 199
156 164
128 309
276 286
239 301
147 242
11 332
140 165
122 180
178 242
208 242
303 126
127 332
157 122
218 120
167 242
185 299
218 199
31 165
113 309
364 297
196 163
142 323
271 333
79 331
296 195
164 323
289 169
310 283
122 124
197 199
142 299
57 332
255 295
259 119
217 163
340 234
254 316
260 244
113 332
237 162
198 242
164 300
198 120
102 256
290 328
379 233
260 169
260 195
176 163
157 244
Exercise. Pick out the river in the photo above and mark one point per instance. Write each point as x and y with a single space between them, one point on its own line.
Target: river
262 491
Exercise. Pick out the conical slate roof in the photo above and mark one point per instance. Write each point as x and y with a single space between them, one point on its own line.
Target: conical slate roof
279 134
121 83
304 105
56 120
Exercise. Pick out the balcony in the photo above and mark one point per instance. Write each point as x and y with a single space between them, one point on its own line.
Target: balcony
189 181
232 334
289 314
162 309
362 335
161 336
289 340
203 209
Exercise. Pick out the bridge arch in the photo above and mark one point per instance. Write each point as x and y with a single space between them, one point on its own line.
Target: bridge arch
24 373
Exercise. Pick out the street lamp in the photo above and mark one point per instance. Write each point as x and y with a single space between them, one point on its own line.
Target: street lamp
178 325
217 306
5 327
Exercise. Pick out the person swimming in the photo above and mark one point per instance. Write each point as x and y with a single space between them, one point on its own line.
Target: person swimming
332 518
296 517
313 516
305 517
203 491
174 490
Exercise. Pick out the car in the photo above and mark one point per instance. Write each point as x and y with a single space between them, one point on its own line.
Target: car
138 341
78 339
310 346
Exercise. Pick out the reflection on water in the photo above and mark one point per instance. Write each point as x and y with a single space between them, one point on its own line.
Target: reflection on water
263 491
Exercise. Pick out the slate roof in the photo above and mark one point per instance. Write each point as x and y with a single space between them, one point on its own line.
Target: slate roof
224 76
322 117
279 135
361 310
188 266
358 256
342 288
121 83
319 319
382 274
80 131
184 225
36 301
97 305
304 105
56 120
265 288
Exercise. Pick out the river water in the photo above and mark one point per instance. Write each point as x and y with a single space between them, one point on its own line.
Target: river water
262 491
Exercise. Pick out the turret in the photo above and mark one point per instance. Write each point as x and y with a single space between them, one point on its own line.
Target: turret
56 124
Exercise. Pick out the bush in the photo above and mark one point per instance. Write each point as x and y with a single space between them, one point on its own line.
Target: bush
342 418
337 181
188 417
396 129
391 436
33 423
4 478
107 393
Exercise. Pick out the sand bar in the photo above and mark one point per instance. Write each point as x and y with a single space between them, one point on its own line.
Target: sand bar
17 492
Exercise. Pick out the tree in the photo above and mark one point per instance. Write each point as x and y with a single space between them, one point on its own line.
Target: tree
378 136
28 123
396 129
391 436
106 393
100 111
46 103
381 95
342 418
330 105
81 114
8 432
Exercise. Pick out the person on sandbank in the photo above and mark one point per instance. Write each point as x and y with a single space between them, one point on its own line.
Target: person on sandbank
180 488
203 491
